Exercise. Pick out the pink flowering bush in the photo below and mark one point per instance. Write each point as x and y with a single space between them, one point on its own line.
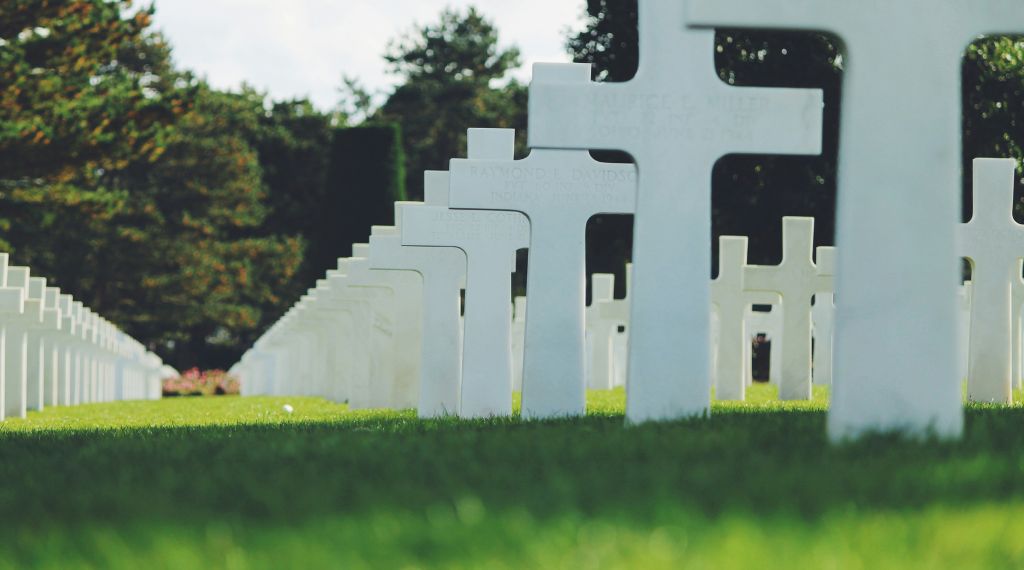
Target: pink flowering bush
202 383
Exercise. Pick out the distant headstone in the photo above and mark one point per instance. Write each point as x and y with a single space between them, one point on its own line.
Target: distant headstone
616 313
559 191
16 324
600 332
994 244
54 319
796 280
443 272
382 318
730 299
677 118
38 352
490 241
407 322
68 351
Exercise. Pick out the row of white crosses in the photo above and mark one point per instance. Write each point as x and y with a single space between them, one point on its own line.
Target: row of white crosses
320 350
56 352
472 247
388 363
895 328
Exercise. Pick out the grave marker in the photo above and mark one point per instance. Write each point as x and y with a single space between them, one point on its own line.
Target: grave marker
677 119
68 350
16 355
559 191
796 280
54 319
994 244
401 308
38 352
490 241
730 298
602 290
442 271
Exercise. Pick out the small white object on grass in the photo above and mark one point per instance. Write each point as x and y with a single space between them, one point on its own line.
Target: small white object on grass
288 408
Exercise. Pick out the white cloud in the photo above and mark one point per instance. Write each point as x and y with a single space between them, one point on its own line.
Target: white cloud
301 48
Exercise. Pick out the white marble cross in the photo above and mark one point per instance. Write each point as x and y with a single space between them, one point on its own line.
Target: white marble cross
38 353
823 318
796 280
443 272
382 388
490 241
899 196
559 191
54 319
616 312
349 356
68 352
600 332
406 321
519 308
320 327
730 299
16 355
677 119
357 339
994 244
81 353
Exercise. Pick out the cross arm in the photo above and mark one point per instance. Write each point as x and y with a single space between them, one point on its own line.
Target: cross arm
761 278
760 120
992 17
566 112
819 15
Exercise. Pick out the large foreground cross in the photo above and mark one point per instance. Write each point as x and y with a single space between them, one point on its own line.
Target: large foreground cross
676 118
899 195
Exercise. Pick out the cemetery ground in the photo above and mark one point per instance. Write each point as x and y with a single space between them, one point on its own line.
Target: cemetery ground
241 483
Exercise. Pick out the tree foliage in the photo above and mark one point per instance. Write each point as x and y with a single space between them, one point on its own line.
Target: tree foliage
129 183
454 76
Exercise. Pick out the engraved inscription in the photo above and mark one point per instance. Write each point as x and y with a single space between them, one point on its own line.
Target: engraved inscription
702 120
523 185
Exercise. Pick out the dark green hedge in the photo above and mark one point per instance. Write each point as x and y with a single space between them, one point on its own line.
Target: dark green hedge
365 177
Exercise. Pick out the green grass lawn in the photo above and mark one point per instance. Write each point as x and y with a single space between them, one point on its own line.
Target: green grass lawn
239 483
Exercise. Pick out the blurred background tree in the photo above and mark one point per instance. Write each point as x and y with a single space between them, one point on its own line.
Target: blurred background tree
454 75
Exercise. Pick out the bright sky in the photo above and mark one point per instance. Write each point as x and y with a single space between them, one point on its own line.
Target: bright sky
296 48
